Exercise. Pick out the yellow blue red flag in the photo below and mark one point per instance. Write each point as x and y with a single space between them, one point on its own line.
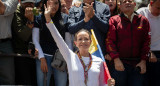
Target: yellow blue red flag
95 49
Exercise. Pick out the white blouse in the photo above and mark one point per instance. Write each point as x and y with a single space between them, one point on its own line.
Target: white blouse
75 68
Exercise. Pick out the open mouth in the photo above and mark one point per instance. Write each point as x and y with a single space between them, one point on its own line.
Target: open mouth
110 5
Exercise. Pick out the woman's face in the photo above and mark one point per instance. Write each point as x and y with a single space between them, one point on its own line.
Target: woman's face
111 4
54 6
83 41
63 6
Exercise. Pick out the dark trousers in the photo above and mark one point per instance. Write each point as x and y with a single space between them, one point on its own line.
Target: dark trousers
25 71
7 74
128 77
153 72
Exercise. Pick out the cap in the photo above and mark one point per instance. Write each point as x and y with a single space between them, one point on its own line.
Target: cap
24 1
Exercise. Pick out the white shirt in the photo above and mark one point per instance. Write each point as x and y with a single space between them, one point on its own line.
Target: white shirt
6 18
75 68
131 16
155 27
86 60
36 37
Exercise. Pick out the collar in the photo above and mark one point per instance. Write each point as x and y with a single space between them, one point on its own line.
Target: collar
131 16
135 16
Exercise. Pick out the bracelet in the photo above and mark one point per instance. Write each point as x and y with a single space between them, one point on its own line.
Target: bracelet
50 22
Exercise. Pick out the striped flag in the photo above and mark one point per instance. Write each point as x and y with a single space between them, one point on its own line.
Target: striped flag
95 49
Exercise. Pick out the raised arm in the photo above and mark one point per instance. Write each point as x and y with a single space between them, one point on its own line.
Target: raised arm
68 40
65 51
74 26
102 21
20 26
8 7
2 7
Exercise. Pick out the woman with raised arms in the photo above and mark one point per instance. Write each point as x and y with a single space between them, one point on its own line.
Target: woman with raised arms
84 69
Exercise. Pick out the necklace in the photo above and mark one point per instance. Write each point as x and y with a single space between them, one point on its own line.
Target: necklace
85 67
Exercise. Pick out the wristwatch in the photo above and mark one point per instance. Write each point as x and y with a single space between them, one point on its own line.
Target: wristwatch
30 22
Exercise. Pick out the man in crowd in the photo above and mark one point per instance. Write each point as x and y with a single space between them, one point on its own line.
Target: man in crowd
23 22
128 37
152 13
64 8
7 74
68 3
90 15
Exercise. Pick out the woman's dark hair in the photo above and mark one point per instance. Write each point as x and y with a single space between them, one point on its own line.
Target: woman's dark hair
57 19
116 10
82 30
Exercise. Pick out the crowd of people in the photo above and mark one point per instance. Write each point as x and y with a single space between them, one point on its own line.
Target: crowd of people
129 40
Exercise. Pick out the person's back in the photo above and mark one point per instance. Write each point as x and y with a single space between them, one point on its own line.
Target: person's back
7 8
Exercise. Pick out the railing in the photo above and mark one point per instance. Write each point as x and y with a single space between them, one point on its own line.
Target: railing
23 55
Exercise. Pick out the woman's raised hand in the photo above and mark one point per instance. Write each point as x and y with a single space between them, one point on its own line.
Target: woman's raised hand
47 12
